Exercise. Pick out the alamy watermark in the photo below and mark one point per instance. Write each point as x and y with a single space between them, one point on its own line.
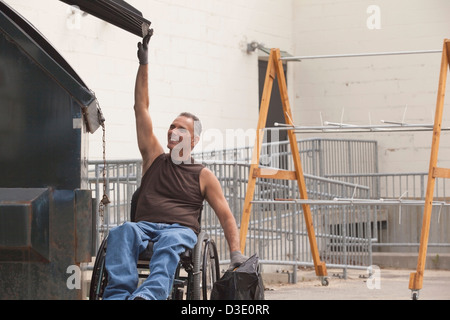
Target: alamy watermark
74 278
73 281
374 280
74 15
374 20
230 139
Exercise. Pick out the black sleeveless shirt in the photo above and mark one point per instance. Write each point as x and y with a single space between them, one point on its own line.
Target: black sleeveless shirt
170 193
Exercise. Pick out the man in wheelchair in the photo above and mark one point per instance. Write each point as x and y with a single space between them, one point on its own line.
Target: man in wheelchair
170 201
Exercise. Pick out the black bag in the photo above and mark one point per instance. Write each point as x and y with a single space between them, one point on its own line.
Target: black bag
244 283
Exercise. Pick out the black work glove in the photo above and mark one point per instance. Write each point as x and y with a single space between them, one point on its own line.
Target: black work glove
237 258
143 48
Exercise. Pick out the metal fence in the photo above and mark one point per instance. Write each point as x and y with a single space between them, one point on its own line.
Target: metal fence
122 179
399 226
320 157
274 223
344 234
356 210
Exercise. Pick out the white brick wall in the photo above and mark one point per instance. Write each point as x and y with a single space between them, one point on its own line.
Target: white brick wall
373 88
198 61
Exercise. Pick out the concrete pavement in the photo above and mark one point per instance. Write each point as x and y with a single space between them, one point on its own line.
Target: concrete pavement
386 284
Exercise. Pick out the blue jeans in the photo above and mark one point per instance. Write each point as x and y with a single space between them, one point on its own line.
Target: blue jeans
127 241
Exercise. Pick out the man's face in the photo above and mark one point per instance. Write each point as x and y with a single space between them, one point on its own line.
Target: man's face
181 134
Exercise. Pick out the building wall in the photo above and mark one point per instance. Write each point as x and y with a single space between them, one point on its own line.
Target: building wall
367 90
198 63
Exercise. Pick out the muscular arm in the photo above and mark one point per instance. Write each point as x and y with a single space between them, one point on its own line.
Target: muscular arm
214 195
149 145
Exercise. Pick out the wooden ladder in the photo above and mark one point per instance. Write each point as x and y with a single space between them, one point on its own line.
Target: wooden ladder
275 70
416 279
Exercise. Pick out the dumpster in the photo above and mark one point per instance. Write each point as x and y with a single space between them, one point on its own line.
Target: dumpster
46 207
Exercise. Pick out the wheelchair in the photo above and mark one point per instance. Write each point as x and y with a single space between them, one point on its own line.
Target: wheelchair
195 276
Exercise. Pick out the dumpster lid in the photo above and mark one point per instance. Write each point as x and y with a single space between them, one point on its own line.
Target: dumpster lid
116 12
25 36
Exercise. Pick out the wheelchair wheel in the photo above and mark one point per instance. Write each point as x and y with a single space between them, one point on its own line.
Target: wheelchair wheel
206 267
99 278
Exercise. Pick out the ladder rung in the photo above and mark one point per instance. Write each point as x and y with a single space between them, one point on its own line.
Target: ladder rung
441 173
268 173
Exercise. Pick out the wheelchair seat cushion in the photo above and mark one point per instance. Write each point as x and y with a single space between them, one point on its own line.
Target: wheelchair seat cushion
146 255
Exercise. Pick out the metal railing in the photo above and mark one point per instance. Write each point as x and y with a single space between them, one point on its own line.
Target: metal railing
234 178
320 157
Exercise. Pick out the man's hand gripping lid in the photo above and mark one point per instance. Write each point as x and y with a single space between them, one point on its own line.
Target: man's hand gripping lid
143 48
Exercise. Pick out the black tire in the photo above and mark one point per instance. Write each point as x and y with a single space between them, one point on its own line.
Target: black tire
205 267
210 267
99 278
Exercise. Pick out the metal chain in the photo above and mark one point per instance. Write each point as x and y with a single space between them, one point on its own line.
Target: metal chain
105 199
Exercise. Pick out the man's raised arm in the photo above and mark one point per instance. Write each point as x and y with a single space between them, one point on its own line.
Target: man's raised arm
149 145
